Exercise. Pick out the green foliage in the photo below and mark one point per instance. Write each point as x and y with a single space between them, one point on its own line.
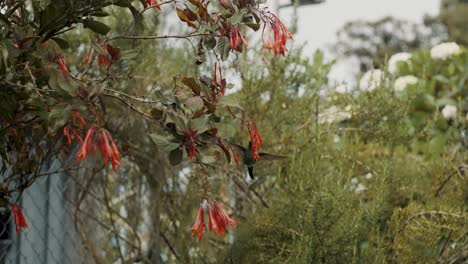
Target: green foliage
370 179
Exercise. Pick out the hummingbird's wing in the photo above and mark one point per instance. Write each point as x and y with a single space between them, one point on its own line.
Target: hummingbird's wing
267 156
240 150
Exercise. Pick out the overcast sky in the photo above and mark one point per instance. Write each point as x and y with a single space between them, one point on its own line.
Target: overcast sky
318 24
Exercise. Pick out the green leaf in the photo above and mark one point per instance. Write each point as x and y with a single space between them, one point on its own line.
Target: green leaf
60 83
100 14
238 17
96 26
63 44
209 42
229 100
200 124
223 47
207 159
122 3
164 142
194 103
175 157
179 121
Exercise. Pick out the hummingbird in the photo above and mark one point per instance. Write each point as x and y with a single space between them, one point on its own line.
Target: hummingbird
248 160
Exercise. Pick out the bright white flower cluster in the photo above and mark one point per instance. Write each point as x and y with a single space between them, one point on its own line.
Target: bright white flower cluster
444 50
334 114
370 80
395 59
449 112
401 83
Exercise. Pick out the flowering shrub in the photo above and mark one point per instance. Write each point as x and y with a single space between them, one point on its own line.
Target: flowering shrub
72 99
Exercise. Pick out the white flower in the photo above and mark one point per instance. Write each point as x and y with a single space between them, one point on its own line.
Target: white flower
444 50
395 59
368 176
333 114
360 188
370 80
401 83
342 88
449 111
354 180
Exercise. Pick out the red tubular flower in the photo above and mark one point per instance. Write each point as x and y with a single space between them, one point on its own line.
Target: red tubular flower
103 60
236 158
236 39
20 221
88 56
78 119
86 145
114 154
190 143
222 83
105 144
279 31
153 3
62 65
66 133
199 225
255 139
218 219
108 149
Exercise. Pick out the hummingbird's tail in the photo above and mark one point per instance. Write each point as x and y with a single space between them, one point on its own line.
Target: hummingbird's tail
251 174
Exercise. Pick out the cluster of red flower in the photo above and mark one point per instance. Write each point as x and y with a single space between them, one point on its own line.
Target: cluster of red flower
218 220
236 39
69 131
112 54
279 31
105 144
255 138
20 221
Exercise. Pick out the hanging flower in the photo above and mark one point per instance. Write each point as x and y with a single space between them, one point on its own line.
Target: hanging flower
190 143
62 65
236 38
20 221
103 59
108 149
199 226
69 131
255 139
222 81
105 144
89 54
153 3
236 158
86 145
218 219
278 30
